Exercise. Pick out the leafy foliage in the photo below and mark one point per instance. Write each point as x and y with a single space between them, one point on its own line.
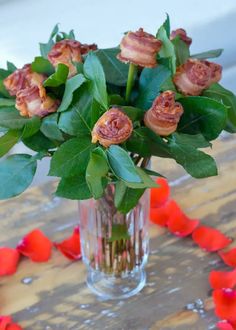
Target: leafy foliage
86 169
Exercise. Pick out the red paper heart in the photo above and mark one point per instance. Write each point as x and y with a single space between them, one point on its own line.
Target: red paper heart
222 280
229 257
36 246
225 325
4 322
181 225
14 326
225 303
161 215
9 259
210 239
161 194
70 247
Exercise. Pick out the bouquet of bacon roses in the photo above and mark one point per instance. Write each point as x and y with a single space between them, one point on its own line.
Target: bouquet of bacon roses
100 114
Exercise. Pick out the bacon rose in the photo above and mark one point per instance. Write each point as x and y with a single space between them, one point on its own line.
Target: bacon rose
33 101
164 115
68 51
21 79
194 76
182 34
113 127
139 48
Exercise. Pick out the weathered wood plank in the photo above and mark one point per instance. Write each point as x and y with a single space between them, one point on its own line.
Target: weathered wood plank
57 298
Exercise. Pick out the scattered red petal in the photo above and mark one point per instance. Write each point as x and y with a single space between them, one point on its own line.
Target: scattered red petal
161 194
14 326
161 215
36 246
181 225
70 247
210 239
222 280
225 303
229 257
9 259
4 322
226 325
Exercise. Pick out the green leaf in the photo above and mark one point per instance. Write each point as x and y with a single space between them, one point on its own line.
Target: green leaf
74 187
11 118
147 181
7 141
42 65
166 25
222 95
32 125
196 163
133 113
3 91
167 50
202 115
79 119
150 84
181 147
16 174
116 72
58 78
46 47
93 71
72 85
181 50
146 143
119 232
209 54
122 165
50 127
71 158
153 173
38 142
7 102
96 172
11 67
116 99
126 198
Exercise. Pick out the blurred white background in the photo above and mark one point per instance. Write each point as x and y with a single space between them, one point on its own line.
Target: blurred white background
25 23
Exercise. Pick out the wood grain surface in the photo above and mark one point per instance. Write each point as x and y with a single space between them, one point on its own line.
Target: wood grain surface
177 295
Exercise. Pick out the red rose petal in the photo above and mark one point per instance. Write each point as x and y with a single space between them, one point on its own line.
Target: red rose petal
4 322
9 259
14 326
210 239
161 194
161 215
70 247
181 225
226 325
36 246
225 303
229 257
222 280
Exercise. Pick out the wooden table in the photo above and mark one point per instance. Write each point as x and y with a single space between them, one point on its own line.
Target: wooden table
177 295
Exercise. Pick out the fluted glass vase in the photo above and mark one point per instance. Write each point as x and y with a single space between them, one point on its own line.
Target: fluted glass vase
114 245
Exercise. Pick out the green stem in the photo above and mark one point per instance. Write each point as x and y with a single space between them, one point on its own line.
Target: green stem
130 81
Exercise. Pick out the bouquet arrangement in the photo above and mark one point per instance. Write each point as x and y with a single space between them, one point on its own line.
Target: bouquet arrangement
101 114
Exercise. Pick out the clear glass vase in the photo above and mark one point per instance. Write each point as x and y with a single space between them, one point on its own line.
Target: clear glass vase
114 245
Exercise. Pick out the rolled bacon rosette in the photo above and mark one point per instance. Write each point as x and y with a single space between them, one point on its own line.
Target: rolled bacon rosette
164 115
182 34
68 51
195 75
21 79
33 101
139 48
113 127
